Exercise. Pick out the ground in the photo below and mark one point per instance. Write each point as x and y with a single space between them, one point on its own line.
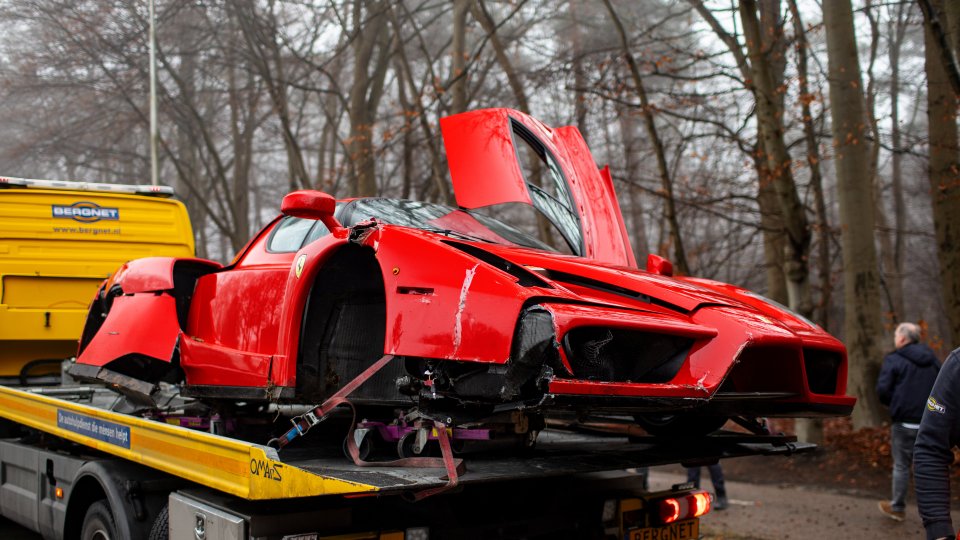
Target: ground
830 493
857 461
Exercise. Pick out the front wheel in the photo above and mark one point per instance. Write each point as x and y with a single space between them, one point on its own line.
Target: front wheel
98 523
681 425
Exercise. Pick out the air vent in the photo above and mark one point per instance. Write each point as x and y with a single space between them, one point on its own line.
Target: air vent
525 277
822 369
620 355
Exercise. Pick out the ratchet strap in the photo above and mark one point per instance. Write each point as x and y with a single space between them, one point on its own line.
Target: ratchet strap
302 424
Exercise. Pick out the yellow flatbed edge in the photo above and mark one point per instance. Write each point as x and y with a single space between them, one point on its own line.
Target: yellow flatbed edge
256 472
247 470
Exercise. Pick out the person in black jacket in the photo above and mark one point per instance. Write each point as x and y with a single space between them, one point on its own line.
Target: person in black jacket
933 454
905 381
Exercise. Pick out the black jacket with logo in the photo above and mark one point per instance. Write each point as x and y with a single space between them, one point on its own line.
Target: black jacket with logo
905 381
932 455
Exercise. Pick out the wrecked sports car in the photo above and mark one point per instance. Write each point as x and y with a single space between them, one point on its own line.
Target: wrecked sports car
482 317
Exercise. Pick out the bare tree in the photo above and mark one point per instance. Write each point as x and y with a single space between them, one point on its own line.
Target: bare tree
406 73
458 66
855 192
371 48
261 33
944 164
813 162
770 116
666 182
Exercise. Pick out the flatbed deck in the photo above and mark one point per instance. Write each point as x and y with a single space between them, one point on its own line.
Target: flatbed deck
257 472
557 453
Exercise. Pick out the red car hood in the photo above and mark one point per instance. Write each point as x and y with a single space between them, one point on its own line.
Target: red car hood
791 320
670 291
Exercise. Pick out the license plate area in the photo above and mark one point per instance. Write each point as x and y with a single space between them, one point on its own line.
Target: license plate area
682 530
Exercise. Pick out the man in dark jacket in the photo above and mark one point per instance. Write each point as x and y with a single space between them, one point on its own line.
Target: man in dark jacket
905 381
933 455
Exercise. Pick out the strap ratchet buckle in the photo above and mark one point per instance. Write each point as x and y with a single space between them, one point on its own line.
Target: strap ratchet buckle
309 419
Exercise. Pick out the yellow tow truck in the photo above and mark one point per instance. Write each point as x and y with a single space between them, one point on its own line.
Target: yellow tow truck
58 241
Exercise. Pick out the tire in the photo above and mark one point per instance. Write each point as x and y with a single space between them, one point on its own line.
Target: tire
161 525
679 426
405 447
98 523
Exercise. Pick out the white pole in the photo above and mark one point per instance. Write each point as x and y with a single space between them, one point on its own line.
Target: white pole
153 102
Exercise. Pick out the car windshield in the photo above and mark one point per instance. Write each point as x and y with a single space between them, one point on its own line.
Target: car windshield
437 218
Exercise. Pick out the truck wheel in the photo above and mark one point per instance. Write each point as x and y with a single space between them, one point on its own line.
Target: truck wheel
686 426
161 525
405 445
98 523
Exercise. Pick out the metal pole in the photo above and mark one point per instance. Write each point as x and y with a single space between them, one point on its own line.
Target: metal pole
153 102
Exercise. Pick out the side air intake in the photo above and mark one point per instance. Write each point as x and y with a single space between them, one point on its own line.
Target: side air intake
620 355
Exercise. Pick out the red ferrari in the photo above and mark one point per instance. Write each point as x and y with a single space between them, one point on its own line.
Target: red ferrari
482 317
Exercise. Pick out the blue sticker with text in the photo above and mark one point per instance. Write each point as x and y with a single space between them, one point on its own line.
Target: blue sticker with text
95 428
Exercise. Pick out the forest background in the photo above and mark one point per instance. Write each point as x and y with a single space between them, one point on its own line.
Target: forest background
804 150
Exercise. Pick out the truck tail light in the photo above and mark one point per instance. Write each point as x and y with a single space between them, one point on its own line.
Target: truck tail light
684 507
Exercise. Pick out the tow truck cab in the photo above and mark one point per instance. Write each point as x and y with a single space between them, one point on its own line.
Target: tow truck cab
58 241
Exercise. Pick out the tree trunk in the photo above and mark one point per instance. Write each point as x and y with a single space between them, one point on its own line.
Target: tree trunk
482 16
944 171
480 13
862 327
458 65
186 149
771 214
261 36
770 115
666 183
889 276
579 74
896 165
405 72
816 178
369 26
939 42
773 237
767 200
628 137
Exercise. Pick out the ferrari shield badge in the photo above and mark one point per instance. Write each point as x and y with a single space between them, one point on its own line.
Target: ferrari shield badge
300 262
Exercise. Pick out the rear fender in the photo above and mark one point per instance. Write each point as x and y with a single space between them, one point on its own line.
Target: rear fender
303 272
144 324
144 307
152 274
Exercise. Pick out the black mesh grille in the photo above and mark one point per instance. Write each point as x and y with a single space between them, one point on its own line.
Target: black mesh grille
822 368
618 355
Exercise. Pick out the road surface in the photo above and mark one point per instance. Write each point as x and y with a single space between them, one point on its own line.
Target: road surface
777 512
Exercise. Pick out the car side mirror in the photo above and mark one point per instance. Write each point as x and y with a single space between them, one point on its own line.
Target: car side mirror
309 204
659 265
